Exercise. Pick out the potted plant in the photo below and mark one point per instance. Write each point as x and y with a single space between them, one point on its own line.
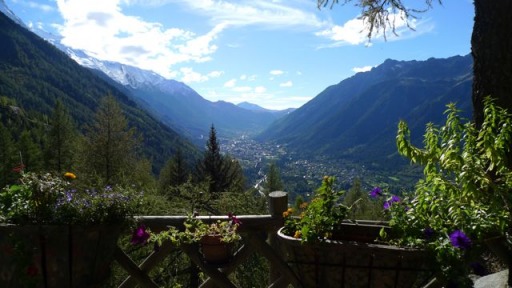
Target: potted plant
326 250
215 239
55 233
463 203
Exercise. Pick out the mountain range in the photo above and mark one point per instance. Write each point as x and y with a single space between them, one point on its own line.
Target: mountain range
357 118
35 75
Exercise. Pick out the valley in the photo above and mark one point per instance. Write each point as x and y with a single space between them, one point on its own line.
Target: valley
302 173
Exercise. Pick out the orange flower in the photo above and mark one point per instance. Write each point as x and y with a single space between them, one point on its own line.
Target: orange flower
287 212
303 205
69 175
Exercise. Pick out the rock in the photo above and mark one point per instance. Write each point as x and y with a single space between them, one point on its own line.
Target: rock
496 280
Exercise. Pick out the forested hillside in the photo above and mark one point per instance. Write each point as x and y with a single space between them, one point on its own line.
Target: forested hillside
357 118
34 75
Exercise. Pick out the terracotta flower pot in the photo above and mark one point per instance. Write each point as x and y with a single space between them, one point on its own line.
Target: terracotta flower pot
349 263
215 251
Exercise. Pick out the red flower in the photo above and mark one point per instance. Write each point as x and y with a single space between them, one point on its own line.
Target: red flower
19 168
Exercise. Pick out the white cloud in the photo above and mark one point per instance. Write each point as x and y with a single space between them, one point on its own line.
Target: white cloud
231 83
286 84
276 72
102 29
242 89
260 89
362 69
190 76
355 31
215 74
273 15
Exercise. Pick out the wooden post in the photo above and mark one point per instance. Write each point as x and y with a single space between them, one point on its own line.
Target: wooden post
277 204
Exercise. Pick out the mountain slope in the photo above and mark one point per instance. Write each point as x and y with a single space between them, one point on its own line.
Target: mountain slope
36 74
176 104
357 118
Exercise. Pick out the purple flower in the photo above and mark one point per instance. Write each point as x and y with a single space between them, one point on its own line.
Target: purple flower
390 202
428 233
376 192
460 240
140 236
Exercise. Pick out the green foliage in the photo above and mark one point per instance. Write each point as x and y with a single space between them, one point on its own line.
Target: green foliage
34 75
321 217
273 180
362 207
7 157
196 229
61 140
174 173
222 172
49 199
109 146
466 186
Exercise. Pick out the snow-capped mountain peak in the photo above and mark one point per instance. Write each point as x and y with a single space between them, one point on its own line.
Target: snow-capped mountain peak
4 9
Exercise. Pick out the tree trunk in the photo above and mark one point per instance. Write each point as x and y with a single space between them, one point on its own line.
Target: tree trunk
491 45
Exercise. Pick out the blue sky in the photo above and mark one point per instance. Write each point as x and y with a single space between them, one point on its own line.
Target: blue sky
274 53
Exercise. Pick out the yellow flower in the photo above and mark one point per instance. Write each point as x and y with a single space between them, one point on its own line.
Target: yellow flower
70 175
287 212
297 234
303 205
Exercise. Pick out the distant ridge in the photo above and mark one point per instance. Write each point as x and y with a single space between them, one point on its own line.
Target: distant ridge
357 118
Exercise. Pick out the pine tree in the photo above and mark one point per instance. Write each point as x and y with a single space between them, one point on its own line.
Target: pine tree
222 172
174 173
8 158
30 152
61 140
108 149
273 180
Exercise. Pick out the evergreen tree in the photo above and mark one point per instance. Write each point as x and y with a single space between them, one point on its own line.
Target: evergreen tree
174 173
273 180
233 174
8 158
221 172
61 140
108 149
30 152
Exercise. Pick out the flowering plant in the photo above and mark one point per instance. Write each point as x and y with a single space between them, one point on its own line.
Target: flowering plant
464 197
320 218
50 199
196 229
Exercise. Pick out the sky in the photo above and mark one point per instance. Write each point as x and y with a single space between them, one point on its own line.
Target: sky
277 54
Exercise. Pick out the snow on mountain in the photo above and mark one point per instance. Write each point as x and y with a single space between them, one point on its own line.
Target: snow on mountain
4 9
126 75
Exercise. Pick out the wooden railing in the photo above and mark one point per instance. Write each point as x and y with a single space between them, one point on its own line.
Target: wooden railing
258 236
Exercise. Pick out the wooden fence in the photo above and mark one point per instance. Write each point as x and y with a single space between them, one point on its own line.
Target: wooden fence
258 236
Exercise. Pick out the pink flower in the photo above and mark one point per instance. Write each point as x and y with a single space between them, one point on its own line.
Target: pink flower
140 236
